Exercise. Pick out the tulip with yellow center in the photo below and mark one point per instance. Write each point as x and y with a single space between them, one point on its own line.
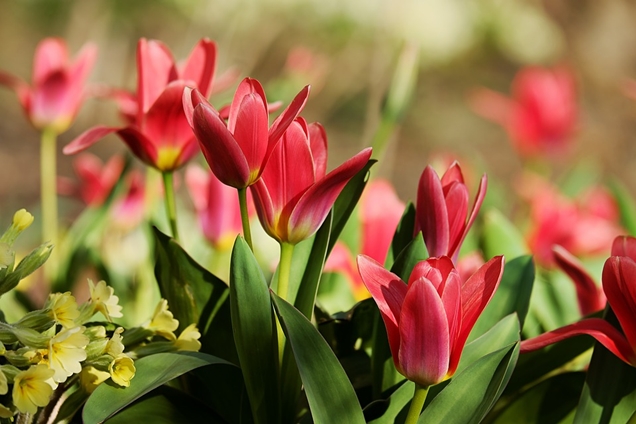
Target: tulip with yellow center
122 370
32 388
66 352
104 300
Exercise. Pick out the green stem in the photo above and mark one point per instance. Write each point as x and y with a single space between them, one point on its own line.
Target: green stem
416 404
284 269
171 205
48 192
245 219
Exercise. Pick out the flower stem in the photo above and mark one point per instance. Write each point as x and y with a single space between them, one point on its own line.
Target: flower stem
245 219
416 404
48 193
171 205
284 269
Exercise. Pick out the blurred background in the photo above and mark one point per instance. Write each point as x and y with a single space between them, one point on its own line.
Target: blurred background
348 50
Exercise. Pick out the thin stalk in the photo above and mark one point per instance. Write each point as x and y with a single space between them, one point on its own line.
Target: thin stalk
245 219
171 205
284 269
416 404
48 193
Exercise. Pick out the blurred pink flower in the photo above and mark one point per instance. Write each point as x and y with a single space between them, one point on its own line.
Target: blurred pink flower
541 115
129 210
159 134
57 89
216 205
96 179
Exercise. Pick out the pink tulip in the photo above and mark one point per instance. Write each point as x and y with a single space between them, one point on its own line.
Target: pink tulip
294 194
96 179
541 115
442 210
57 90
618 278
159 134
238 151
217 207
428 321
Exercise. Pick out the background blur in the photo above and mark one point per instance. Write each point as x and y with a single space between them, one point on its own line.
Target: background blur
347 50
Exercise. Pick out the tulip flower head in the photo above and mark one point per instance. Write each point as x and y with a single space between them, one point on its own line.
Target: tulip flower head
428 321
57 89
294 194
619 273
238 151
159 135
442 210
96 179
540 118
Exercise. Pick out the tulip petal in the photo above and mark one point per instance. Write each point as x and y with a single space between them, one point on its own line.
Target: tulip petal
155 69
288 115
51 56
196 179
314 205
246 87
479 199
250 132
20 87
318 145
432 214
619 274
590 296
264 208
389 293
88 138
456 196
200 65
601 330
453 174
624 246
139 144
424 338
436 270
221 151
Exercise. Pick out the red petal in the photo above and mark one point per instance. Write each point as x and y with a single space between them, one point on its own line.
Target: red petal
436 270
598 328
246 87
479 199
619 274
313 207
87 139
389 293
20 87
432 214
140 145
191 99
453 174
492 105
199 67
289 114
624 246
155 69
424 338
456 196
51 56
265 209
589 295
250 132
318 145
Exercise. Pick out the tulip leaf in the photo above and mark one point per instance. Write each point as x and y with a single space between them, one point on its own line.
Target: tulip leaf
473 392
151 372
394 404
328 389
512 295
626 206
403 234
255 335
609 394
550 401
413 253
500 335
501 237
188 287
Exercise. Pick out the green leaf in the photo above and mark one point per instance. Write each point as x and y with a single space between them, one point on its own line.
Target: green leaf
394 404
189 288
501 237
151 372
626 205
255 333
502 334
512 295
403 234
413 253
472 393
328 389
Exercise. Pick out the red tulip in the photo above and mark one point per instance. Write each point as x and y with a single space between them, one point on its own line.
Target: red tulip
238 151
57 90
619 274
428 321
442 208
96 179
217 207
293 195
159 135
541 115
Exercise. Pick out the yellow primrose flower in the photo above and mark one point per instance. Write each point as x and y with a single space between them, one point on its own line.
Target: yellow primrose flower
189 339
66 351
122 370
64 309
32 388
91 377
104 300
22 219
163 322
115 347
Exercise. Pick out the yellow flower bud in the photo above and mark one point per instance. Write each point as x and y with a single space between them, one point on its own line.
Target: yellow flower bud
122 370
22 219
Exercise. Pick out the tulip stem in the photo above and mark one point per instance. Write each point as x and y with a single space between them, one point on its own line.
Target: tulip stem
284 269
417 404
48 193
171 205
245 219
